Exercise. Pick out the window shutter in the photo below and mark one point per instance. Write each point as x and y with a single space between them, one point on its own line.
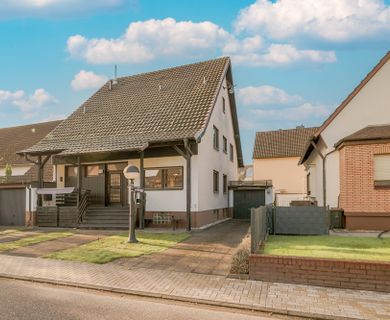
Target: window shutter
382 167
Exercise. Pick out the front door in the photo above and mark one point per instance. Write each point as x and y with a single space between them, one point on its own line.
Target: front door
115 188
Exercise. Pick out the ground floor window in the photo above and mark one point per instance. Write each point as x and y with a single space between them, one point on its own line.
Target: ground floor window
169 178
225 184
382 170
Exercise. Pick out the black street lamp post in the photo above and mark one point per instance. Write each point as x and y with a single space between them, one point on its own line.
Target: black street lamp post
131 172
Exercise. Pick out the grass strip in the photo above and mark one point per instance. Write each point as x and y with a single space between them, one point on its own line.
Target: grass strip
335 247
114 247
33 240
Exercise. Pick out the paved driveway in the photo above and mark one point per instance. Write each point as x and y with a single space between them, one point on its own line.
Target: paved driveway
208 252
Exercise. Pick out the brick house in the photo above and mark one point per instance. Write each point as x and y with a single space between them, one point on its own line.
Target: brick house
365 177
347 157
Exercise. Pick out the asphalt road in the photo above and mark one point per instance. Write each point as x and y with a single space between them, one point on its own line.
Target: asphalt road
26 300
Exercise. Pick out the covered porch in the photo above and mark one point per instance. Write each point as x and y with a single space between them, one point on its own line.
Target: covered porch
91 190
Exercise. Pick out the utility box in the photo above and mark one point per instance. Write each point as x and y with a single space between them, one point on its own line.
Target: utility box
336 218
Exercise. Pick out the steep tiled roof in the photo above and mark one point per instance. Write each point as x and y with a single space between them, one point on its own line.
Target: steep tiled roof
166 105
281 143
309 148
16 138
379 132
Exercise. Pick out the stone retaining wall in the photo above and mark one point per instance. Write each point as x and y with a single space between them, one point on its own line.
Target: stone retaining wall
349 274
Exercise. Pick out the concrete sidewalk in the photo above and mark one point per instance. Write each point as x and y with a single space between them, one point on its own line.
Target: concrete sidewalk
316 302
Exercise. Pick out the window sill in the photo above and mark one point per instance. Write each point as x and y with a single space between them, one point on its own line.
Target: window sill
382 184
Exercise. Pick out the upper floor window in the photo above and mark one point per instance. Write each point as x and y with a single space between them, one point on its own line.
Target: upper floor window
215 138
382 170
223 105
231 153
225 184
215 181
224 144
170 178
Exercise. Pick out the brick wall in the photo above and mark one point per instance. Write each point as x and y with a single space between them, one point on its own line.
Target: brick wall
322 272
365 206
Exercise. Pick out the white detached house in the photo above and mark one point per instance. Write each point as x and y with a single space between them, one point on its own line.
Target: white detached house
178 125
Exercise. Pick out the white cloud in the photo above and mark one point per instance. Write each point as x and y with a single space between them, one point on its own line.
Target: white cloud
33 102
306 111
330 20
51 8
30 103
87 80
146 40
9 95
266 95
280 55
156 39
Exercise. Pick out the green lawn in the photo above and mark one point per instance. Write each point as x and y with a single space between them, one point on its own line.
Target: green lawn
9 231
33 240
114 247
362 248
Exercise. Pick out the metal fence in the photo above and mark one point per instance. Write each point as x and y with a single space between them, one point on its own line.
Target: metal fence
305 220
259 227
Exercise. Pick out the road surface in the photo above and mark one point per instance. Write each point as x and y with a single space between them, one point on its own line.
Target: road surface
27 300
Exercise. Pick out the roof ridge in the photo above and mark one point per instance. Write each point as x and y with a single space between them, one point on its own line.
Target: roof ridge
278 130
173 67
32 124
354 92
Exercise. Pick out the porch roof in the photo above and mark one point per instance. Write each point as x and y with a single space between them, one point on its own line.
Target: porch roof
369 133
162 106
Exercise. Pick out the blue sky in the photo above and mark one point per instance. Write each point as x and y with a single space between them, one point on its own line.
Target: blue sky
293 61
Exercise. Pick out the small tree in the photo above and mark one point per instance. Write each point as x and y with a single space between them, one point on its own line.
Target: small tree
8 170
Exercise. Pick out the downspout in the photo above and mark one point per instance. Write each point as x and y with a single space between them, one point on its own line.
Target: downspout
323 157
29 205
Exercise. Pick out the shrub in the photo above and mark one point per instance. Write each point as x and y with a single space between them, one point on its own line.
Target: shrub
240 263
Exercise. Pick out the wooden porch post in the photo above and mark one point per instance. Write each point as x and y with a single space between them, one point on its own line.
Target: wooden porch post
78 180
40 178
187 155
142 186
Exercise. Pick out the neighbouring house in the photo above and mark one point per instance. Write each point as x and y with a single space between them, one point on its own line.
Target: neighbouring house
178 125
275 157
17 174
347 158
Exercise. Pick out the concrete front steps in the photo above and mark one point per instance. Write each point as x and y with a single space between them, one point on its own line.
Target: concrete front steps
106 218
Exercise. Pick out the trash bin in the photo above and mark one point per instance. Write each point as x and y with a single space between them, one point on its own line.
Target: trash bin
336 218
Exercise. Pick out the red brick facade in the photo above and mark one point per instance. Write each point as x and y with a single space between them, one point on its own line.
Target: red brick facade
322 272
365 206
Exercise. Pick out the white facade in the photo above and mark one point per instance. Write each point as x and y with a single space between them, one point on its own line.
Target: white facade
209 159
202 165
370 106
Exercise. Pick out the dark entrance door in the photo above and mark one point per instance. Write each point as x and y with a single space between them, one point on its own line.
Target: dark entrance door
244 200
114 188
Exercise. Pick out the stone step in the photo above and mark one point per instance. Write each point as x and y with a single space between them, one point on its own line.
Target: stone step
103 226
